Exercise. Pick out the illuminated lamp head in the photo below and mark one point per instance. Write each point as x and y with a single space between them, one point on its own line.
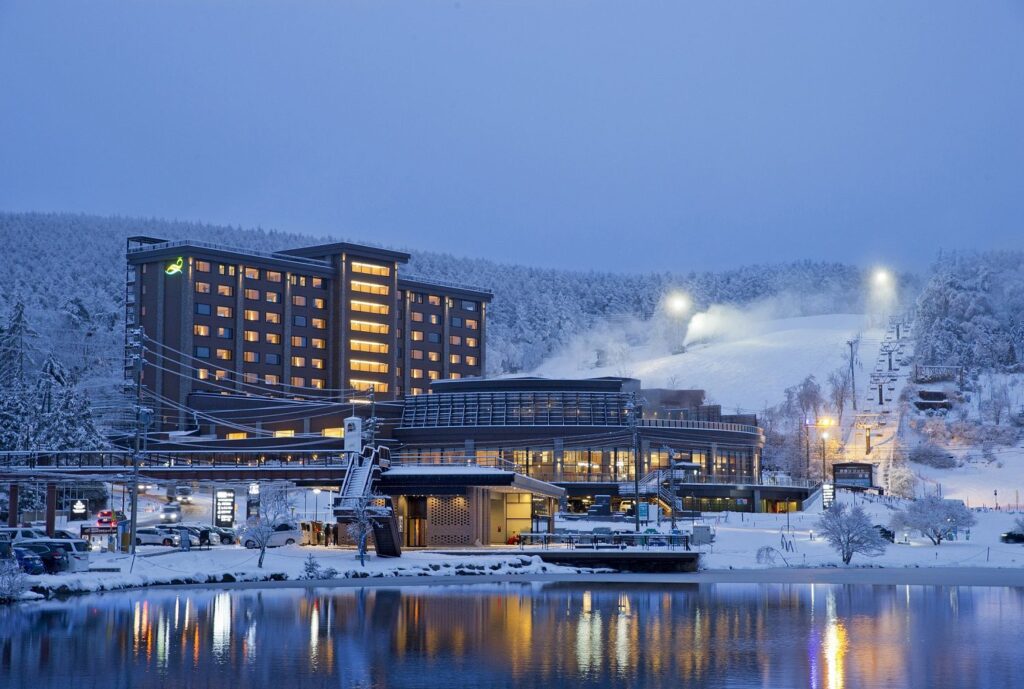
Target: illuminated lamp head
175 268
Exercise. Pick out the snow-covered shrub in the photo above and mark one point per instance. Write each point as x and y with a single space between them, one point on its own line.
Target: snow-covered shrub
311 568
12 580
849 532
933 456
935 518
902 481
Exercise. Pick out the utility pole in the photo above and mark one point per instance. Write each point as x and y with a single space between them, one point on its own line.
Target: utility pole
632 408
853 382
140 418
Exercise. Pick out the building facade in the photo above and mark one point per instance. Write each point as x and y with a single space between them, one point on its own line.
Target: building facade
333 321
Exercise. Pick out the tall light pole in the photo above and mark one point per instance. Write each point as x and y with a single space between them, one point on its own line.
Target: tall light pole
824 439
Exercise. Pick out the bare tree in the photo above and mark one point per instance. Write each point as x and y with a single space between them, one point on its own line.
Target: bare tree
849 531
934 517
839 391
361 526
275 510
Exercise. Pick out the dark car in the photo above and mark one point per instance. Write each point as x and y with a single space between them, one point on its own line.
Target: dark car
54 556
1012 537
110 517
227 536
29 562
887 534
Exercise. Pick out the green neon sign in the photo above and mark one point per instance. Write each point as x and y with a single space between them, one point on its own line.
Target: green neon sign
175 268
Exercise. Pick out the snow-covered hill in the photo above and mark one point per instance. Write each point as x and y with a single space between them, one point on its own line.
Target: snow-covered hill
748 370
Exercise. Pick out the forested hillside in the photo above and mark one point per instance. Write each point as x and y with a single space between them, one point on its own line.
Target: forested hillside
69 271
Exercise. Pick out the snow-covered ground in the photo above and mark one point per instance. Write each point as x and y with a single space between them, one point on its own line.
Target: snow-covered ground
980 483
747 370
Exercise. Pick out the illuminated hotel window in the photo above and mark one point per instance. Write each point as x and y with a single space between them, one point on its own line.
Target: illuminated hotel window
252 273
318 282
434 356
416 372
368 269
416 391
203 266
273 276
225 333
202 373
369 307
368 327
319 324
203 287
318 343
369 287
253 294
317 383
417 335
472 324
251 357
298 341
433 375
201 330
367 346
298 280
416 353
250 378
333 432
271 379
471 342
220 374
251 336
272 338
237 435
319 303
298 300
225 290
367 384
434 319
251 315
298 361
455 359
470 360
455 339
434 299
225 311
454 376
298 382
368 366
271 317
416 317
273 297
225 270
284 434
316 363
224 354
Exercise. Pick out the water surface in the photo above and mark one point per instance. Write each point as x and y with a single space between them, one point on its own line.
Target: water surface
515 635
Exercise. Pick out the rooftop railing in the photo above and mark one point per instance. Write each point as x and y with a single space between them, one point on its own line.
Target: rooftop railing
445 283
233 249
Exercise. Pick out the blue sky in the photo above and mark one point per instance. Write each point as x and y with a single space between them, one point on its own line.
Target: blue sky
623 136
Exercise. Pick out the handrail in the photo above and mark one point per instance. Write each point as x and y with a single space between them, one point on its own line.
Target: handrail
701 425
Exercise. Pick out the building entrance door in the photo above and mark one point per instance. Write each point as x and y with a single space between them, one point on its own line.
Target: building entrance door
416 520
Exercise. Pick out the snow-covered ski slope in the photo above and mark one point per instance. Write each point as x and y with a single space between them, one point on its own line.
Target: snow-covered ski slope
746 370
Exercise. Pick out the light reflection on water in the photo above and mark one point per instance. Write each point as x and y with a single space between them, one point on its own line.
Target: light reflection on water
825 637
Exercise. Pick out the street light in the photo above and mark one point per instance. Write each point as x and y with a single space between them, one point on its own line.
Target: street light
316 505
824 438
677 304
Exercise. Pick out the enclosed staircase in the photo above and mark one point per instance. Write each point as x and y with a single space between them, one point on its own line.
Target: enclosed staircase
357 497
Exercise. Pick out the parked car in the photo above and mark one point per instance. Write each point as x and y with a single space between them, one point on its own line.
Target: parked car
65 534
170 513
227 536
150 535
1012 537
284 534
175 531
29 562
20 533
110 517
77 550
54 556
886 533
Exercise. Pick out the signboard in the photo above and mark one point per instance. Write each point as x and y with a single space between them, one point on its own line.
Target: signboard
644 511
828 495
252 501
224 508
79 510
88 531
175 267
354 434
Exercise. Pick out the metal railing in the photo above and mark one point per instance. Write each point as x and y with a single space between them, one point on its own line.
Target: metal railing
233 249
122 459
445 283
700 425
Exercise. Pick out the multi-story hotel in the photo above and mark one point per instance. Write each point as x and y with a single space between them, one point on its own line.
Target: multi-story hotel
333 320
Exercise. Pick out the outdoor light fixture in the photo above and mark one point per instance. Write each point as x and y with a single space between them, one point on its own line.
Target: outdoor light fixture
677 303
882 277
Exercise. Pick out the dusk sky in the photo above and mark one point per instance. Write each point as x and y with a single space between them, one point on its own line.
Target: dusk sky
618 136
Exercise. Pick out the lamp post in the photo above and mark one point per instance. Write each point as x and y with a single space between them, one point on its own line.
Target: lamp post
316 505
824 439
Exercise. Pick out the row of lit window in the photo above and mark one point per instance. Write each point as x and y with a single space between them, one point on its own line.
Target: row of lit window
274 359
267 378
365 385
369 287
288 433
436 356
370 307
456 321
369 268
435 300
368 346
299 321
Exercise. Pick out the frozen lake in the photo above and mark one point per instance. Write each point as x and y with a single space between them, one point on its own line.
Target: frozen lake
521 635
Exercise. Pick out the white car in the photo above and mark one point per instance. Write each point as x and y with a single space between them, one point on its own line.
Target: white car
20 533
284 534
174 532
148 535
